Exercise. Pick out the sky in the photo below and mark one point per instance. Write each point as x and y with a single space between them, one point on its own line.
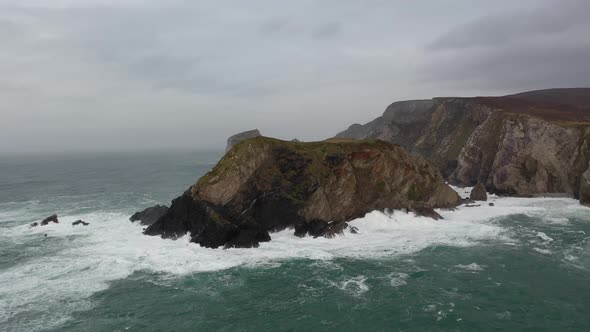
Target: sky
99 75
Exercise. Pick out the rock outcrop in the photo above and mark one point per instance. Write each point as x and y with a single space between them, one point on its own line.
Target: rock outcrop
51 219
478 193
237 138
263 185
523 145
80 222
149 215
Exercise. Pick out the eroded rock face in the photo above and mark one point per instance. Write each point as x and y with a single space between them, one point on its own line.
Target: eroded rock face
523 145
478 193
237 138
149 215
264 184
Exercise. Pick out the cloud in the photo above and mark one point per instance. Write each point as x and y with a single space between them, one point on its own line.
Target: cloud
520 50
514 26
139 74
327 30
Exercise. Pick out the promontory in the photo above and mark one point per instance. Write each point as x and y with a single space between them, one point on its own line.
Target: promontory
263 185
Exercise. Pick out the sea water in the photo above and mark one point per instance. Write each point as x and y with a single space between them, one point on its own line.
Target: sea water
522 264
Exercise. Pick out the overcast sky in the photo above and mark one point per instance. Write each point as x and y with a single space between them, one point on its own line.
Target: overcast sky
140 74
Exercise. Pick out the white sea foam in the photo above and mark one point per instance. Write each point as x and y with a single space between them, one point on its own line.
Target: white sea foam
474 267
544 237
398 279
543 251
84 259
355 286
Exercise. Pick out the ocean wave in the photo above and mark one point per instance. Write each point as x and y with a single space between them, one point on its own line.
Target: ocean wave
84 260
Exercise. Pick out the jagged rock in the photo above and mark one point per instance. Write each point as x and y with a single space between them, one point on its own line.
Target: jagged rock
80 222
51 219
263 185
478 193
354 230
426 211
237 138
149 215
526 144
295 140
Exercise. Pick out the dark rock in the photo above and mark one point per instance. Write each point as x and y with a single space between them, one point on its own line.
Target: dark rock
472 205
264 185
46 221
491 204
478 193
80 222
354 230
247 237
237 138
52 218
425 211
149 215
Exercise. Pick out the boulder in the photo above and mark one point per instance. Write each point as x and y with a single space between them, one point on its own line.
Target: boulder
51 219
149 215
263 185
80 222
478 193
237 138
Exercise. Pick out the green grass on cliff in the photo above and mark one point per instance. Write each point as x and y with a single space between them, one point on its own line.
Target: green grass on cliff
315 151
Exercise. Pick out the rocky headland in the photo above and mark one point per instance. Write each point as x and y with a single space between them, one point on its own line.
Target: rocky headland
526 144
263 185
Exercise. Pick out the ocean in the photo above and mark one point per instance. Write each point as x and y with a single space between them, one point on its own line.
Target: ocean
520 265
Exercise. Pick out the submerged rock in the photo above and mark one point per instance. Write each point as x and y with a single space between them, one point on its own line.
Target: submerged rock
80 222
51 219
149 215
237 138
264 184
478 193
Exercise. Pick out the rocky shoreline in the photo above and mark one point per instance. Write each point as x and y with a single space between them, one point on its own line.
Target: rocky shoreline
521 145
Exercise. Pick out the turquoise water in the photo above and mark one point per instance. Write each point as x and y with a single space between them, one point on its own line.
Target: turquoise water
522 265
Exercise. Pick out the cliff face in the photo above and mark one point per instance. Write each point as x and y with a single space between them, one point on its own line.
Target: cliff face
264 184
525 144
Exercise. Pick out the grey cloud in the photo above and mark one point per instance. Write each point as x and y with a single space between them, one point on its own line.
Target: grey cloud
538 48
272 26
111 73
327 30
512 26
